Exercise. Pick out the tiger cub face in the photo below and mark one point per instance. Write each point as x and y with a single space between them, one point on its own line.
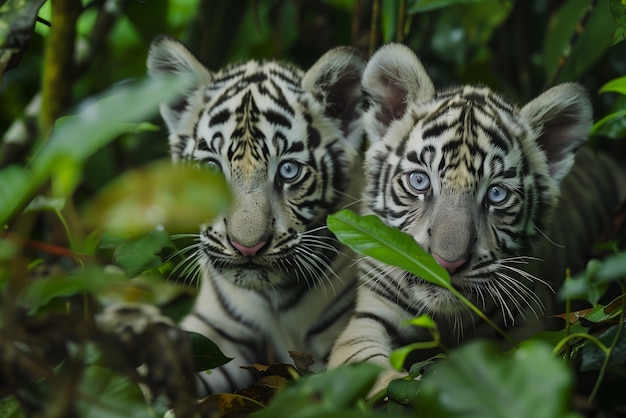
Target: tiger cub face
470 176
285 141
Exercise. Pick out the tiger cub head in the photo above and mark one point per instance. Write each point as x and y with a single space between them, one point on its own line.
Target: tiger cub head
470 176
286 142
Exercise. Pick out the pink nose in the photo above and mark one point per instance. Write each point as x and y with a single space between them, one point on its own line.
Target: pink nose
450 266
248 251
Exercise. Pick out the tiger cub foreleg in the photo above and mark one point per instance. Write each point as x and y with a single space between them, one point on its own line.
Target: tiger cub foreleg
370 336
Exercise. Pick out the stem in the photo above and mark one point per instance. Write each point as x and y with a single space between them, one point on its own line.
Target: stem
584 336
59 62
568 309
607 357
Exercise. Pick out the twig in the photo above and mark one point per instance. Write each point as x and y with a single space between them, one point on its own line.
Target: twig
580 26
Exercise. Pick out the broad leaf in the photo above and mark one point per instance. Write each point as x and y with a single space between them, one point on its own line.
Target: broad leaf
99 121
332 393
591 284
618 9
617 85
104 393
138 254
479 380
207 355
595 38
17 20
593 357
14 181
585 285
368 235
38 293
177 198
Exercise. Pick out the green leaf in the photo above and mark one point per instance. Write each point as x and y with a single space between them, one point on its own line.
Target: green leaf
617 85
14 181
207 355
618 10
17 20
104 393
592 43
602 314
99 121
178 198
612 125
593 357
332 393
368 235
585 285
399 356
10 408
422 321
479 380
613 268
39 293
591 284
139 254
153 290
426 364
404 391
103 118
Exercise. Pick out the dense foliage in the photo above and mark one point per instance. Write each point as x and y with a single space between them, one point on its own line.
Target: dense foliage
91 214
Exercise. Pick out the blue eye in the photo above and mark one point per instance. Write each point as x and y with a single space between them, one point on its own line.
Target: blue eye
212 164
289 170
497 194
418 181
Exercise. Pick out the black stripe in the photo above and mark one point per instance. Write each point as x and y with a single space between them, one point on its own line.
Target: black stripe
221 117
276 118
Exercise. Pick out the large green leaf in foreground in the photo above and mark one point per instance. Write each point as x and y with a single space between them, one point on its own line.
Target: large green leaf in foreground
177 198
481 381
369 236
75 138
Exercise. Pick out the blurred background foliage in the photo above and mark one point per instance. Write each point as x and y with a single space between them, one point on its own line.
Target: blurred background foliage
75 117
518 47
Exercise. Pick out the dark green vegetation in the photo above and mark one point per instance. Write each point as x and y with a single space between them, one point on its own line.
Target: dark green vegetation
80 181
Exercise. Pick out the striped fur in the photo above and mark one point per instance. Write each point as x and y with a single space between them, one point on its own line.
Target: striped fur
273 278
475 180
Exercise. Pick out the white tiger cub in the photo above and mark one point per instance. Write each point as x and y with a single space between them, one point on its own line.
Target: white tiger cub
474 180
274 279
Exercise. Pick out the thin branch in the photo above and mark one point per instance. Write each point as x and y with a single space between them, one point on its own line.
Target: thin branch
578 30
59 62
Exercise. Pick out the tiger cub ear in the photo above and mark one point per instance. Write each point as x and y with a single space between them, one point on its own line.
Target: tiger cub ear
168 57
393 78
562 118
335 80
